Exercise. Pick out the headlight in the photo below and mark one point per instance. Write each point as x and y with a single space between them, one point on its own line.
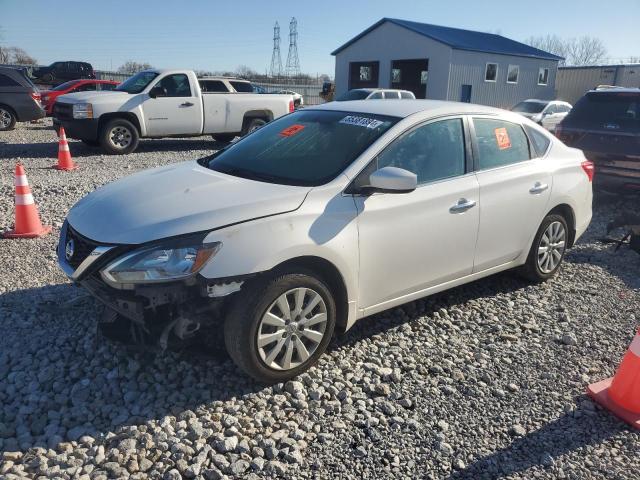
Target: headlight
82 110
176 260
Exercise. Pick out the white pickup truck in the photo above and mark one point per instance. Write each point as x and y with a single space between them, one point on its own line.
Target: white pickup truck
166 103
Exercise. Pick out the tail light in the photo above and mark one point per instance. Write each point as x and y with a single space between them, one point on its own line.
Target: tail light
36 97
292 107
589 169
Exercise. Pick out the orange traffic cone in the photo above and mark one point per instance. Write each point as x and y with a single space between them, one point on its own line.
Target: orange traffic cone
621 394
27 219
65 162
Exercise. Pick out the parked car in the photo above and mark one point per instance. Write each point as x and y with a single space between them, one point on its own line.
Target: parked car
324 217
375 94
605 124
49 96
548 113
298 100
60 72
328 91
19 98
165 103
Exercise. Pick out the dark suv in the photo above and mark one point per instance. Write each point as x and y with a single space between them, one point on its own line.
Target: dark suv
605 125
59 72
19 98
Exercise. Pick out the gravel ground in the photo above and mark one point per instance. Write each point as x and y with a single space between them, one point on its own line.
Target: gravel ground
483 381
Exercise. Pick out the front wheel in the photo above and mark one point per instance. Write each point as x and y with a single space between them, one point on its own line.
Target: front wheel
7 119
547 250
280 326
118 136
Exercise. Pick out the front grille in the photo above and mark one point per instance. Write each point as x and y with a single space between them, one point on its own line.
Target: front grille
63 111
82 247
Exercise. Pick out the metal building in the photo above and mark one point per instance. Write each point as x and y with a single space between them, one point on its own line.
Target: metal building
573 82
445 63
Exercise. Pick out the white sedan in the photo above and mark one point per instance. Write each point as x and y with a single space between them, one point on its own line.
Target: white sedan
548 113
324 217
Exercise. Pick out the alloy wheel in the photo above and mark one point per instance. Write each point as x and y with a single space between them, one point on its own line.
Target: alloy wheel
5 118
551 247
292 328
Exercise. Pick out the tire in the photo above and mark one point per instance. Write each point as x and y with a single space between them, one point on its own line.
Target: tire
91 143
118 137
538 268
245 323
7 119
252 124
224 137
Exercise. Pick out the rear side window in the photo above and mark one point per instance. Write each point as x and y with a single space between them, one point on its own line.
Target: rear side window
391 95
213 86
611 111
539 140
6 81
242 87
500 143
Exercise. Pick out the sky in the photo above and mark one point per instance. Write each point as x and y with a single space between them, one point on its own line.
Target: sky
222 35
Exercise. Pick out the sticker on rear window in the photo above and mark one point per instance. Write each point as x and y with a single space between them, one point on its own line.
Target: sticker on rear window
502 137
292 130
361 121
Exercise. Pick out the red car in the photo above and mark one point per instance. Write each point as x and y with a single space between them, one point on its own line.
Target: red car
73 86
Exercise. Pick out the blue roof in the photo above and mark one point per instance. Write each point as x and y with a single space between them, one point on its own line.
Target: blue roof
460 39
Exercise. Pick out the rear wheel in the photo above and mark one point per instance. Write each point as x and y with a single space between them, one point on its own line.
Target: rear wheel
118 136
280 326
548 249
7 119
253 124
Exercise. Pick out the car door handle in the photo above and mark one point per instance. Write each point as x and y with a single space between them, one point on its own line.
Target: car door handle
462 206
186 104
538 188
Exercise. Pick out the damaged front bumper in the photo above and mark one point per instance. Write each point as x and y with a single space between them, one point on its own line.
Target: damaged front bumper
160 314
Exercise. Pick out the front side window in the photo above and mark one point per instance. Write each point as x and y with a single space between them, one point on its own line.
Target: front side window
491 72
543 76
434 151
306 148
375 96
513 74
176 85
500 143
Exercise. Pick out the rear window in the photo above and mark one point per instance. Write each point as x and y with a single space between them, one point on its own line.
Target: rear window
540 141
306 148
6 81
242 87
611 111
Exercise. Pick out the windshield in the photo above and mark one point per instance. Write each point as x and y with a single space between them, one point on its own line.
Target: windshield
65 85
529 107
353 95
306 148
137 83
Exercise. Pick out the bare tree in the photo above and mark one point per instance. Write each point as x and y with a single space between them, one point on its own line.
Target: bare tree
19 56
4 54
245 72
132 67
576 51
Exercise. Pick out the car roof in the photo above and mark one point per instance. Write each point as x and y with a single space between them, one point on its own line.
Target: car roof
613 90
405 108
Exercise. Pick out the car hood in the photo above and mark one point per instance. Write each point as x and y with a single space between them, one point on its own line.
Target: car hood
175 200
92 97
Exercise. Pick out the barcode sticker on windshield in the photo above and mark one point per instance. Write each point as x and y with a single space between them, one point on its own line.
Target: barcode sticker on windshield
361 121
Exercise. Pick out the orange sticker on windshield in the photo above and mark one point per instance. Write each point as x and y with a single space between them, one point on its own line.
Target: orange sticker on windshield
292 130
502 137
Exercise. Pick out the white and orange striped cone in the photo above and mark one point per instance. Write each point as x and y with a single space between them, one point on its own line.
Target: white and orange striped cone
621 393
65 162
28 223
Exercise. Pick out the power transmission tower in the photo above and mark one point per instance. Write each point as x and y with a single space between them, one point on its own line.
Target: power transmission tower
276 59
293 62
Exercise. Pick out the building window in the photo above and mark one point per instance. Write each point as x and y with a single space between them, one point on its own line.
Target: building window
513 73
491 72
396 75
543 76
365 73
424 74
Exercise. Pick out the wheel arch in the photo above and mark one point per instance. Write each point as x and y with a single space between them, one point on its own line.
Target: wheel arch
569 215
330 274
11 109
129 116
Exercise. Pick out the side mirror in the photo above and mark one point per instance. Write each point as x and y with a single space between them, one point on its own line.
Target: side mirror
392 180
158 91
